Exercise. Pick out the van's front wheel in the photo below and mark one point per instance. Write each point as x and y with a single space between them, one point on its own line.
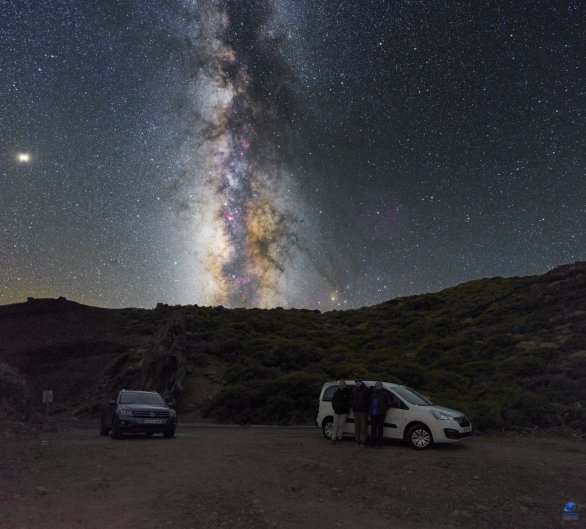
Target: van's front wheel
419 437
327 427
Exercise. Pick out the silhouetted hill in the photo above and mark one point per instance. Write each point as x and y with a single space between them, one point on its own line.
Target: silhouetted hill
509 352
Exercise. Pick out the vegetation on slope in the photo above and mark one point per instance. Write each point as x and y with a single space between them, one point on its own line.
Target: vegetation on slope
508 352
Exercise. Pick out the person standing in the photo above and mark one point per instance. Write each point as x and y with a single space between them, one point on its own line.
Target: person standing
380 403
360 406
341 402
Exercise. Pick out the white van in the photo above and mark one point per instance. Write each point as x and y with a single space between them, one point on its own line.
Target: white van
411 417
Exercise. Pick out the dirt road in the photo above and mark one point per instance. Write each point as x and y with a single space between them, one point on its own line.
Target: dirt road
287 478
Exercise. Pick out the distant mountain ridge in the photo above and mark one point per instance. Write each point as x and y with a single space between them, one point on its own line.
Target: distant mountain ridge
510 352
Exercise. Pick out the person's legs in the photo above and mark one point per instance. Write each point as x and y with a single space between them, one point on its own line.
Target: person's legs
360 426
342 417
373 430
365 429
338 426
335 427
377 425
382 430
357 427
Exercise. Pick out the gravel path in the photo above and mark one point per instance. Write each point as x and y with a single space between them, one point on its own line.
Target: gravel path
286 478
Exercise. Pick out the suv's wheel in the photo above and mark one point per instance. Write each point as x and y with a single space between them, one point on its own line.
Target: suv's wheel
419 437
169 433
327 427
115 432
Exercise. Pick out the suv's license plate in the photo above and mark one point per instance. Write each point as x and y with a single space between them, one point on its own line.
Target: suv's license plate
467 429
153 421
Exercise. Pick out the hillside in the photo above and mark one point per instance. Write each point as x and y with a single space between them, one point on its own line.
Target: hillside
509 352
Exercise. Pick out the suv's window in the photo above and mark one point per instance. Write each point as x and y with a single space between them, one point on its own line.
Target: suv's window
131 397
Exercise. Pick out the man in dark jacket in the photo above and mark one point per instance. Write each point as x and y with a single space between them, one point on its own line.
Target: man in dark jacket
341 402
380 403
360 406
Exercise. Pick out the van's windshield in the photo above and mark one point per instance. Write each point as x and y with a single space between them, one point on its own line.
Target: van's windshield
411 396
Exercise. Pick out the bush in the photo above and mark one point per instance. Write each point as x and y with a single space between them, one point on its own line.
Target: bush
485 414
289 399
237 404
15 394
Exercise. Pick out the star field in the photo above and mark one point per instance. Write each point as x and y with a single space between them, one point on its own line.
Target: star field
396 147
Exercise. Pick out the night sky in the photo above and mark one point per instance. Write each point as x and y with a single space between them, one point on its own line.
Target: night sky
298 153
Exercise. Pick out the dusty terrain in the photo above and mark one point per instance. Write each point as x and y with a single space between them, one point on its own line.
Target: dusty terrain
210 477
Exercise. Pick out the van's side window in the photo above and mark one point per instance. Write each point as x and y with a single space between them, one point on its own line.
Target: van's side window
329 393
396 402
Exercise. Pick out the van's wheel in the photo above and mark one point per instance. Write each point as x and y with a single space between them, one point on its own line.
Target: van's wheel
419 437
327 427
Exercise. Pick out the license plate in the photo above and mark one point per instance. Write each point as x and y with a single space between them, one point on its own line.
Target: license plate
467 429
153 421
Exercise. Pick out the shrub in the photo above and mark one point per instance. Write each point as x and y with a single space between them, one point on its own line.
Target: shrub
291 398
485 414
238 404
15 394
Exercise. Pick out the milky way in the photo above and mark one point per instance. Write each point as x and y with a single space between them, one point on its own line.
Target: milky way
244 235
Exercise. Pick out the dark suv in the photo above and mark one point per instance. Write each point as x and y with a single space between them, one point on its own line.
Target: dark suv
138 412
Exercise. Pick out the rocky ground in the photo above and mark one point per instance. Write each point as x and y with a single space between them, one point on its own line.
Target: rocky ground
216 477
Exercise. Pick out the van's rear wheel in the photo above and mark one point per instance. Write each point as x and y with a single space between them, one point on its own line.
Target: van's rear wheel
327 427
419 437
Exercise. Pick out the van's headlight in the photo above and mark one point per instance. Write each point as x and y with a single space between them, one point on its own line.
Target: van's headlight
124 411
172 413
440 415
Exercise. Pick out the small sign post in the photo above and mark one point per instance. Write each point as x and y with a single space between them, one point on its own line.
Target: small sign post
47 399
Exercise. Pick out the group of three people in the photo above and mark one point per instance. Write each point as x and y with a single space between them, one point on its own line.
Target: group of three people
363 403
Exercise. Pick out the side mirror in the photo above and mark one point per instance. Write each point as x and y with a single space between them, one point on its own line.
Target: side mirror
112 402
170 404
